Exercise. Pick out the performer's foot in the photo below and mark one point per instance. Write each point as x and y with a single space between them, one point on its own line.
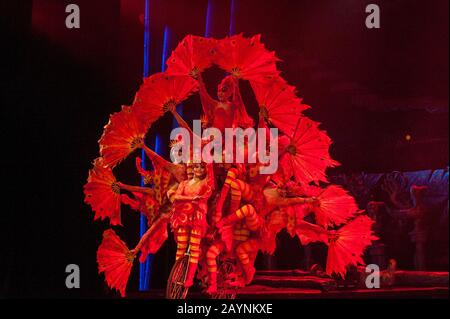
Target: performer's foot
190 275
249 274
212 283
238 283
188 283
212 289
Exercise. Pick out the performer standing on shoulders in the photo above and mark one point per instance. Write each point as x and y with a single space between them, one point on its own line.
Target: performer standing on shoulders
229 111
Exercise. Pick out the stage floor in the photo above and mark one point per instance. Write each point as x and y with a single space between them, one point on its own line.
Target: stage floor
294 284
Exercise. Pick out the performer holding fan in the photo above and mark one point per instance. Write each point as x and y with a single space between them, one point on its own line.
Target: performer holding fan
247 209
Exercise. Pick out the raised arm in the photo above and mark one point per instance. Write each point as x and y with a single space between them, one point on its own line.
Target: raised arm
240 112
181 121
274 198
237 98
172 109
139 189
177 170
183 124
208 103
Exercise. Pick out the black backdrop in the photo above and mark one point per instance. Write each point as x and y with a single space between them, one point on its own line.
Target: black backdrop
59 87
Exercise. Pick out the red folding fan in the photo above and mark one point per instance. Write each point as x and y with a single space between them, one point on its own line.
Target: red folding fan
115 260
123 134
346 245
304 154
335 206
162 92
102 193
192 56
279 105
147 115
246 58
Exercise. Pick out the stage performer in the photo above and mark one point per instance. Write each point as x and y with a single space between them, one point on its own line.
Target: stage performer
229 111
246 221
148 200
143 200
189 215
259 191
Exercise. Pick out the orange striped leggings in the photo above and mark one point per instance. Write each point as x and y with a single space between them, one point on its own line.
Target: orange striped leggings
239 189
187 237
246 252
240 235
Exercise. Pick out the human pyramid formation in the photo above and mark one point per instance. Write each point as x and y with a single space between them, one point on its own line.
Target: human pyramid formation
223 208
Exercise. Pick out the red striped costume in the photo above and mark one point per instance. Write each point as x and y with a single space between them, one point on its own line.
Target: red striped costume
244 222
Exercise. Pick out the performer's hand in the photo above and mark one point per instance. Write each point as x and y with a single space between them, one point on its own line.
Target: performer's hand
133 252
170 107
314 201
195 73
199 78
219 225
210 235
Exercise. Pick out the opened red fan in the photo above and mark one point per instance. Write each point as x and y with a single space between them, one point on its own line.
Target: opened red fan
246 58
123 134
103 193
304 154
335 206
162 92
115 260
279 105
147 115
192 55
347 245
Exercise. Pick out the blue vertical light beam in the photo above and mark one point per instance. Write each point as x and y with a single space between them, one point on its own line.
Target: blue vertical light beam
166 40
232 29
144 268
147 266
208 19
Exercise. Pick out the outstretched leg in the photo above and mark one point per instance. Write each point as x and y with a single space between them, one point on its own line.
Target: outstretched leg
248 212
239 190
231 176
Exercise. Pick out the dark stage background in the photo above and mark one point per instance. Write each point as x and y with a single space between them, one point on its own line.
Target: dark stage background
369 88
